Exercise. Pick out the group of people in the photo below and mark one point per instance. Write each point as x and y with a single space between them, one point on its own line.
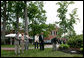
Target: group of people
39 39
56 43
21 42
24 42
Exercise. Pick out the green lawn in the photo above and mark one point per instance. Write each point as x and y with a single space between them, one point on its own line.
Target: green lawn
37 53
11 46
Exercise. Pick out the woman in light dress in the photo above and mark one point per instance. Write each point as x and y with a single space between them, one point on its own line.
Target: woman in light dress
36 40
22 42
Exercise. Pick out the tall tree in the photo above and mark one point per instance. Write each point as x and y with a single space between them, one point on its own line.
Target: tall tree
17 15
25 17
18 7
36 15
12 8
4 22
66 24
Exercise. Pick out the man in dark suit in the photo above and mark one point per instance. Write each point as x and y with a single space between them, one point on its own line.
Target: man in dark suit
54 42
41 40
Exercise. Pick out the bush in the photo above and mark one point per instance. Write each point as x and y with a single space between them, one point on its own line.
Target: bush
64 46
81 49
76 41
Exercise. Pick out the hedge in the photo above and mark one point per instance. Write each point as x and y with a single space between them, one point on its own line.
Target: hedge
76 41
64 46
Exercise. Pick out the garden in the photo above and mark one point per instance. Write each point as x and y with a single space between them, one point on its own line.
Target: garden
72 48
73 45
30 17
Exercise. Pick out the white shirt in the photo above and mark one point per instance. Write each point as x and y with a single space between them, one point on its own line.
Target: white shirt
27 36
37 38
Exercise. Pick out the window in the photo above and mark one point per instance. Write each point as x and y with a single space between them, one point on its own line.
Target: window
52 32
56 33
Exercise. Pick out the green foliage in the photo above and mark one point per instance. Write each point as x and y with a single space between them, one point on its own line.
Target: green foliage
64 46
46 33
66 24
37 17
51 27
38 28
13 7
59 33
76 41
36 13
81 49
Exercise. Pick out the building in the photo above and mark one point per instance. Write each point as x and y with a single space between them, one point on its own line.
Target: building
52 34
8 40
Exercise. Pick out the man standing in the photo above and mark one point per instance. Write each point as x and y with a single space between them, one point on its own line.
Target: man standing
54 42
17 47
26 38
41 40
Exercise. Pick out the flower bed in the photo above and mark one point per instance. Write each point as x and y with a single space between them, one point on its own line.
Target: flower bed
77 49
69 49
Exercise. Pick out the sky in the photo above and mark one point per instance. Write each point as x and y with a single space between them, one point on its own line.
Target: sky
51 13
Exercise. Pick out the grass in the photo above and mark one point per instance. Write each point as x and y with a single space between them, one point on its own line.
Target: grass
10 46
37 53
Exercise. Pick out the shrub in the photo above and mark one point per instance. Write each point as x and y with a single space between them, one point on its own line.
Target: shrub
75 41
81 49
64 46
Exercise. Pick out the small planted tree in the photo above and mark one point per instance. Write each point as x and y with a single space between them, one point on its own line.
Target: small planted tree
66 24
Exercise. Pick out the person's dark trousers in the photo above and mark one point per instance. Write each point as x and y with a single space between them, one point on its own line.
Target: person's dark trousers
42 45
36 45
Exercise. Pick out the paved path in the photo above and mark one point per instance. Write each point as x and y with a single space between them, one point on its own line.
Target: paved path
46 46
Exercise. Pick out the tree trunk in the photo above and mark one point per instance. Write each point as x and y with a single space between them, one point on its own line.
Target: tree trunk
25 17
17 22
10 41
4 23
